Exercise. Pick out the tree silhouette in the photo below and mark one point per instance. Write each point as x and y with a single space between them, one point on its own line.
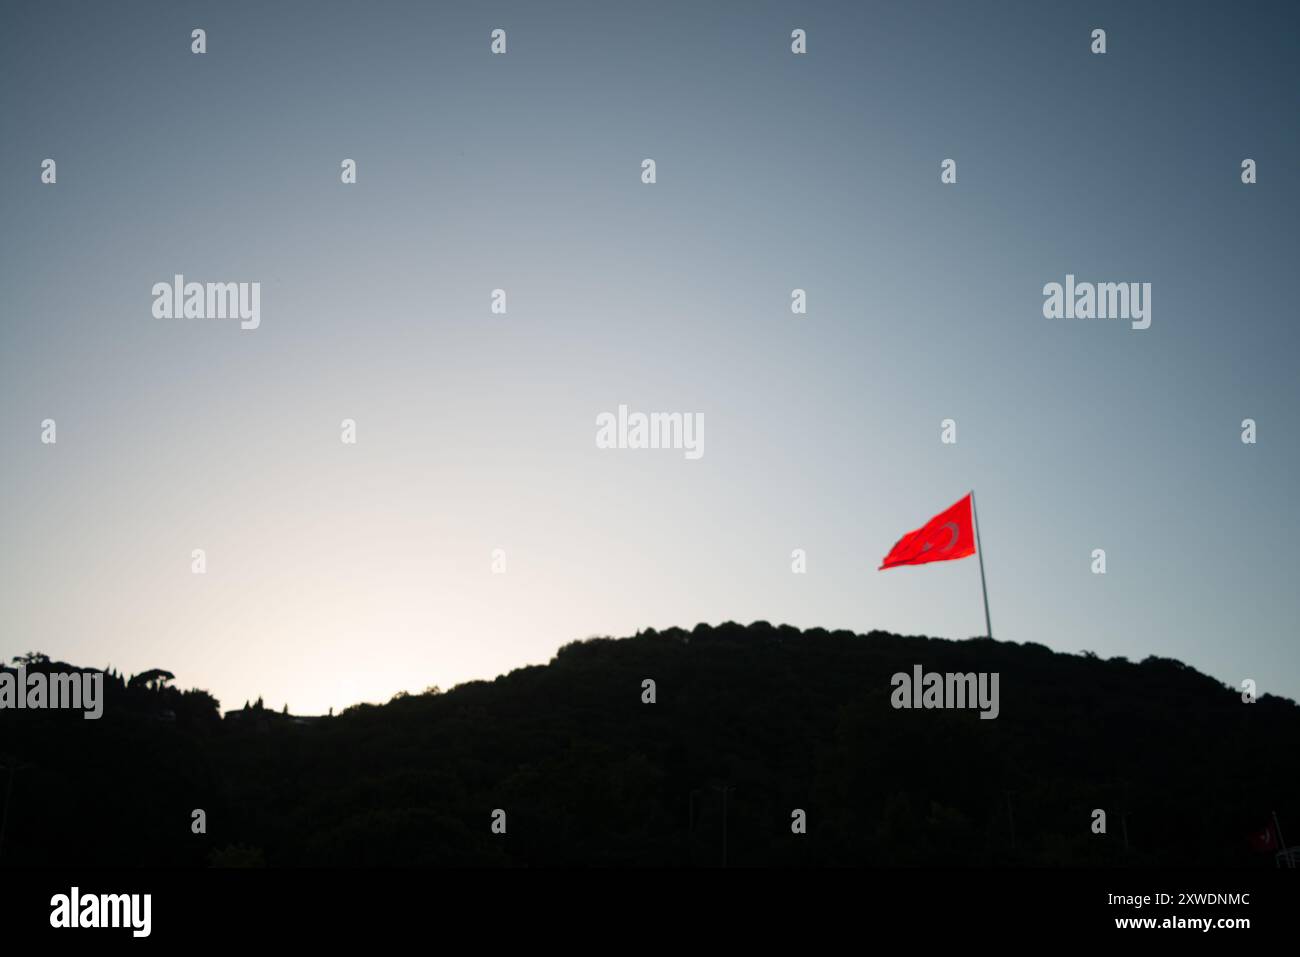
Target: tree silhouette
153 680
781 718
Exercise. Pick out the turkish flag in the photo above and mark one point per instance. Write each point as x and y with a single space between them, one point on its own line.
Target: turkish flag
1265 840
949 535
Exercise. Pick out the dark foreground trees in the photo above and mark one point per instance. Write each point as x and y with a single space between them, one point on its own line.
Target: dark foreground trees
749 725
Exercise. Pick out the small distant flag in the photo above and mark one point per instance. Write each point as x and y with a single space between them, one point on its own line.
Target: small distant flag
953 533
1270 839
1265 840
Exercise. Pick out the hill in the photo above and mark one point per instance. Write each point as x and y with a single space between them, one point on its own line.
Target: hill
589 774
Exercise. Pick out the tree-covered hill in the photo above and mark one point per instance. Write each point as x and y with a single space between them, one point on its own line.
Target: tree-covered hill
766 719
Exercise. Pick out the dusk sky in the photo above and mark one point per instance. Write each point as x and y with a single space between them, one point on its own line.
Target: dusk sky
339 573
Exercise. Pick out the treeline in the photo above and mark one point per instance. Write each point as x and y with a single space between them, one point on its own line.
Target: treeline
767 720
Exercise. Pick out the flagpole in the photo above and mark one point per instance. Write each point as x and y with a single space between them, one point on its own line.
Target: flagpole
1277 829
979 550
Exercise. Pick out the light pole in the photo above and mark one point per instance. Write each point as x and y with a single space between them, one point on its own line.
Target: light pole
1123 817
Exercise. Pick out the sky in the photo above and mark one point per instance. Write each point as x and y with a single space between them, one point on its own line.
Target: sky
338 573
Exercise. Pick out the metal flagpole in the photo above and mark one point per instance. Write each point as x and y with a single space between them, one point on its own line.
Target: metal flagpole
1277 829
979 550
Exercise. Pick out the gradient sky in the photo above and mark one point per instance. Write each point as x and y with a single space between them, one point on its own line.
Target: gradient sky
342 573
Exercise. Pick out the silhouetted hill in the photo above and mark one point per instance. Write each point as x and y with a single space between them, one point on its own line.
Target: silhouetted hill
588 774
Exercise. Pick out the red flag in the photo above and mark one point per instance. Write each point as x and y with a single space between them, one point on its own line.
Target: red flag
1265 840
948 535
